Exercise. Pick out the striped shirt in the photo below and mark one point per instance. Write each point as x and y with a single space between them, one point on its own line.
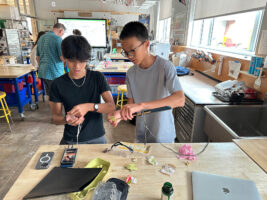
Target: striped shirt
49 52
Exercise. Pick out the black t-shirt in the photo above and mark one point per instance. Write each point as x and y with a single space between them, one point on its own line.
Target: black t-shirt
64 91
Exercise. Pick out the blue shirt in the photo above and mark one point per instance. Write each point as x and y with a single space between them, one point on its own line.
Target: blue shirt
49 52
156 82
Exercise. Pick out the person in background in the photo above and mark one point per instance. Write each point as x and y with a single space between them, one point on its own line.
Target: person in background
151 83
34 49
49 56
80 92
77 32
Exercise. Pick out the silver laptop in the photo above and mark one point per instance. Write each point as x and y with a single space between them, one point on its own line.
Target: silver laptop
214 187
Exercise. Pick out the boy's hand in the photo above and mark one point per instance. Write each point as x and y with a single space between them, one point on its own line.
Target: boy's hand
81 109
128 110
114 118
74 121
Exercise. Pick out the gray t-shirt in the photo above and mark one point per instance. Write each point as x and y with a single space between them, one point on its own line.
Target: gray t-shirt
156 82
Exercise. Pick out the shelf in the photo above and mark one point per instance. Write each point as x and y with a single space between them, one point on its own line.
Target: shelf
251 75
263 69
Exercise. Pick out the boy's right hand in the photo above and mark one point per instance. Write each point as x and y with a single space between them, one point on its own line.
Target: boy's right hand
73 120
114 118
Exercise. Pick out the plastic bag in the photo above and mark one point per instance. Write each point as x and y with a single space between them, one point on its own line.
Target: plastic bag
106 191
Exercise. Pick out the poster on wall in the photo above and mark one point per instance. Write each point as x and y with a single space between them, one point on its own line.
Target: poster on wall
145 19
179 23
13 42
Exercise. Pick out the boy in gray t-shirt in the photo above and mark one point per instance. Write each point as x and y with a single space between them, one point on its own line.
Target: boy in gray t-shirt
151 83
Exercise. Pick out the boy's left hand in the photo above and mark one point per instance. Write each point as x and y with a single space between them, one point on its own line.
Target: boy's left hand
81 109
128 110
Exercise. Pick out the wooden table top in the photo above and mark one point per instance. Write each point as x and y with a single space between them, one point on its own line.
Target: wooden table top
116 56
225 159
256 149
15 71
121 67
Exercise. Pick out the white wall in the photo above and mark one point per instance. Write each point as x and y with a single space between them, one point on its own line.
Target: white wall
211 8
117 20
44 8
165 9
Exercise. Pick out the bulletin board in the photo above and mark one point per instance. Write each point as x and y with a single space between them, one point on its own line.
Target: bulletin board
145 19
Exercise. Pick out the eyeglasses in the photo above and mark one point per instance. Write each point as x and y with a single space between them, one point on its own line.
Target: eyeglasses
131 52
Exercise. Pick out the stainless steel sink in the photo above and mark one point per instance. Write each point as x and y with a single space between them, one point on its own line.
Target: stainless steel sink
226 122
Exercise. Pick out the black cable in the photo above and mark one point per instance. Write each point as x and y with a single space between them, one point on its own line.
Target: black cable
118 144
176 152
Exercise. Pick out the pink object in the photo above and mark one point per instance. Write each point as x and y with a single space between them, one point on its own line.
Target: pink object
187 150
107 64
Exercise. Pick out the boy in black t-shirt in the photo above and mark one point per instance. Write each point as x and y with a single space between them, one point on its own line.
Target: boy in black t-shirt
79 91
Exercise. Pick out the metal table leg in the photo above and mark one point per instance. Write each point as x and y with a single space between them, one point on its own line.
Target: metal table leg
20 105
34 85
43 88
29 95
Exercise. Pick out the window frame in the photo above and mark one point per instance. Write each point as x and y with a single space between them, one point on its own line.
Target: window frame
27 6
254 37
166 36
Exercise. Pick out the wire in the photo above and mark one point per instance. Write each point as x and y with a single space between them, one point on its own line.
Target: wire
180 154
78 132
174 151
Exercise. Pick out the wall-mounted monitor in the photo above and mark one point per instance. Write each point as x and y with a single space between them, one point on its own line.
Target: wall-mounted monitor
94 30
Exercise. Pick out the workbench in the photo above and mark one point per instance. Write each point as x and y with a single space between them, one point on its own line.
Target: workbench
116 57
225 159
114 67
15 72
256 149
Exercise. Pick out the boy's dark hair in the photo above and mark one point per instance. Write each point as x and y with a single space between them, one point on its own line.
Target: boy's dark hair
134 29
38 37
76 48
77 32
59 26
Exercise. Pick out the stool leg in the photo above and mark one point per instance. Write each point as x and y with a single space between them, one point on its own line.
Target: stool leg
121 99
4 109
118 96
9 112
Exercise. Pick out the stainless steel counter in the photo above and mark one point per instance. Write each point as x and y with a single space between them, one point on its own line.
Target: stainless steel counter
198 88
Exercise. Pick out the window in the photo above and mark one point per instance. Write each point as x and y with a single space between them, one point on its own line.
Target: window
26 7
21 7
164 27
235 33
9 2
